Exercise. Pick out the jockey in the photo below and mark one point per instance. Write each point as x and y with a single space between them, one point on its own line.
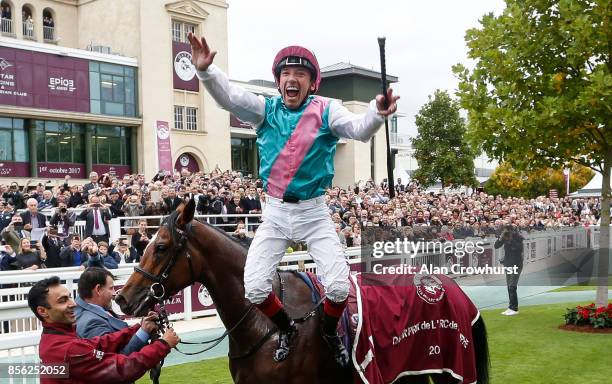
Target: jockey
297 134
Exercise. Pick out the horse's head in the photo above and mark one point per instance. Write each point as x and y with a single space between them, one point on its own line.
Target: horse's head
166 266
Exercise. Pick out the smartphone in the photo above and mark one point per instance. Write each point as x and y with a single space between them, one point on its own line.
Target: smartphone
33 243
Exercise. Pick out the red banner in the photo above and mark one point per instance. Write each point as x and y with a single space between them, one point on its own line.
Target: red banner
59 170
42 80
164 151
184 73
14 169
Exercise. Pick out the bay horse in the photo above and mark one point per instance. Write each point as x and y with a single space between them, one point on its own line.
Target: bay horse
185 251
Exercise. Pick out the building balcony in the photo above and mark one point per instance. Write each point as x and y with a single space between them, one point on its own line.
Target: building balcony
28 30
6 26
49 34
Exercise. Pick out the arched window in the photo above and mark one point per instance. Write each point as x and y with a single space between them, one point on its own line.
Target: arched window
27 18
6 23
49 25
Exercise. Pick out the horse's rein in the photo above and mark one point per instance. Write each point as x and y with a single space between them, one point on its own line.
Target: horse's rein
157 290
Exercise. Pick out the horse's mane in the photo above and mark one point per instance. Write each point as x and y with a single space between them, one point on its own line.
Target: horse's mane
224 234
170 221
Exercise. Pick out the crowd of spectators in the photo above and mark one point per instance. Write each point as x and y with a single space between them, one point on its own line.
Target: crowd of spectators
226 195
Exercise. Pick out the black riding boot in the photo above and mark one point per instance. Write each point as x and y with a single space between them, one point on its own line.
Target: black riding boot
287 331
330 335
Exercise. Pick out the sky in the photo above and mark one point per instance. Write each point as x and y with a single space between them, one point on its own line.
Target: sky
424 39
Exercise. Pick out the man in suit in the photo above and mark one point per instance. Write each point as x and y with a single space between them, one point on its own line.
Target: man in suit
32 218
96 219
72 256
94 313
93 187
172 201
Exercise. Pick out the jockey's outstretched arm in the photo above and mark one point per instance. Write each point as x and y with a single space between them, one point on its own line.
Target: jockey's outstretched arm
362 127
243 104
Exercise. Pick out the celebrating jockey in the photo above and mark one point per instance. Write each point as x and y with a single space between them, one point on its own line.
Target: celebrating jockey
297 134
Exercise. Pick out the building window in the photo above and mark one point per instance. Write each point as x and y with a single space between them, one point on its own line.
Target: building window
59 142
178 117
109 144
185 118
6 23
49 25
192 119
180 30
28 23
244 155
112 89
13 140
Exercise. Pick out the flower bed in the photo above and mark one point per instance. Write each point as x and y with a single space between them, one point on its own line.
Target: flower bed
590 316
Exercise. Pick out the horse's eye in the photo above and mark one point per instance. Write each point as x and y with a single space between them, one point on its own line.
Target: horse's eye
161 248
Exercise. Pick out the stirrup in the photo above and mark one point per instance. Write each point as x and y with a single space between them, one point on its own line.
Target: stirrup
285 340
340 353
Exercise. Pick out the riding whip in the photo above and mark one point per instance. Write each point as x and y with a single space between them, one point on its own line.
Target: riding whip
383 75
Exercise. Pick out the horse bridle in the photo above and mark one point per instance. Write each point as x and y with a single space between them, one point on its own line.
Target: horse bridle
157 291
159 280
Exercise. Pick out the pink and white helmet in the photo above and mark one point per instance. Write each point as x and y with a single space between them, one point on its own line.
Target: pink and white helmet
295 55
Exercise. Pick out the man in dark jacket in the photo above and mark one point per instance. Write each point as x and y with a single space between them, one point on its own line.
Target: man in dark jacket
32 218
53 247
88 360
72 256
172 201
512 241
96 220
93 187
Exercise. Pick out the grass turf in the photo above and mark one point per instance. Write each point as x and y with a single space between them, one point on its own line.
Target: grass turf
524 349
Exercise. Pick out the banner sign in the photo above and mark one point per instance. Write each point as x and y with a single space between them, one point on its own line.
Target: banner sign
164 151
42 80
14 169
59 170
184 73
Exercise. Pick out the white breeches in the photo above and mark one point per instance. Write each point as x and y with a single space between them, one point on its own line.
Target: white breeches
307 221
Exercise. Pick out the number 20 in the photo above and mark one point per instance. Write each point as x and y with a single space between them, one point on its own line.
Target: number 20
434 350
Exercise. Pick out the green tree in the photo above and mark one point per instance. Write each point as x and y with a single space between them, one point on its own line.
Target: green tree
507 181
440 147
540 91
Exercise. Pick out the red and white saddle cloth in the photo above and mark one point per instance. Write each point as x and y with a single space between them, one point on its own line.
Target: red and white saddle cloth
410 325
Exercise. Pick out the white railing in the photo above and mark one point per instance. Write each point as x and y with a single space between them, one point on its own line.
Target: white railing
118 224
48 33
28 30
20 331
6 26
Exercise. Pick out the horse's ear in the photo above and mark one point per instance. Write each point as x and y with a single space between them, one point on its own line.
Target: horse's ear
186 214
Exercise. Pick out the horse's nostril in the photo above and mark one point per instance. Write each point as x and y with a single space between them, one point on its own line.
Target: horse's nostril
120 301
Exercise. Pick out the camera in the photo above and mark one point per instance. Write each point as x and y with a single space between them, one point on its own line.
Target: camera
63 210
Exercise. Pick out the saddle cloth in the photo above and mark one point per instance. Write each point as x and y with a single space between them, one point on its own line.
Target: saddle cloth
398 325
